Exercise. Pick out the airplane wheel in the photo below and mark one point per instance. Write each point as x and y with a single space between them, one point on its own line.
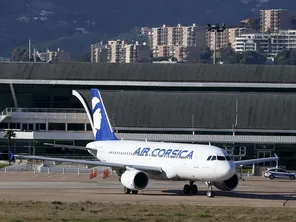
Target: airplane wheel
211 194
135 191
271 176
127 191
193 189
292 177
186 189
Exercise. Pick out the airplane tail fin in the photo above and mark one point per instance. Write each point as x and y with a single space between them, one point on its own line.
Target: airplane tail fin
102 127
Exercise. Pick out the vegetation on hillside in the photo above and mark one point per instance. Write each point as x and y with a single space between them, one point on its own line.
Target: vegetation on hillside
74 26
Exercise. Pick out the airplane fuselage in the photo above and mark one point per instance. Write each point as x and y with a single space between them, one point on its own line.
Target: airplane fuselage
179 161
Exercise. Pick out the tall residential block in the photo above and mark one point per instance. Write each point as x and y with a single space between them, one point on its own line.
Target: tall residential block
220 39
274 20
134 53
115 48
98 53
178 36
177 41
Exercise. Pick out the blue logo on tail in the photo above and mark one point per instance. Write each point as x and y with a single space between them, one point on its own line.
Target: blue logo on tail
102 126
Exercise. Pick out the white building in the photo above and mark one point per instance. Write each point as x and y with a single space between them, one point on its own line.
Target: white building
268 44
117 51
56 56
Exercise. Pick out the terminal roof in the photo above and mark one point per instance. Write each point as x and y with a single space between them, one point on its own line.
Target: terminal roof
149 72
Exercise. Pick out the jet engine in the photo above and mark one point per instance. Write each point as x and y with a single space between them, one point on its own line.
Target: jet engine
134 179
227 185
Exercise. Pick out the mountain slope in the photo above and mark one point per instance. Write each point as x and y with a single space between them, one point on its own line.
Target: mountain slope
75 24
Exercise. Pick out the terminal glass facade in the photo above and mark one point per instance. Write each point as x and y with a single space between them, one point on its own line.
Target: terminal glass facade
57 98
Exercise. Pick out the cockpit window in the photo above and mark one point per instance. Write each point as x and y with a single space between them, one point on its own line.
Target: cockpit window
209 158
228 158
221 158
213 158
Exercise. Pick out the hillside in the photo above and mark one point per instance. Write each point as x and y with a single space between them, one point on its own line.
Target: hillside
75 24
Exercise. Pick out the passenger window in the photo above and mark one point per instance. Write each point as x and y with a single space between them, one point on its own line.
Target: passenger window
213 158
209 158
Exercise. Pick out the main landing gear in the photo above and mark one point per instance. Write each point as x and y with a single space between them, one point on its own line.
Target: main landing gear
190 188
128 191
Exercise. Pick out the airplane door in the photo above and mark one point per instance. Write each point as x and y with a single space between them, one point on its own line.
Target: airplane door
196 163
100 153
196 166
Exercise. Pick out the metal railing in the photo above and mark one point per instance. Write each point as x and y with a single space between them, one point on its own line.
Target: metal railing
42 110
3 115
50 113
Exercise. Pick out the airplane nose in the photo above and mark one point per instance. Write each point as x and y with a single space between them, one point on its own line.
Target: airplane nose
226 171
230 169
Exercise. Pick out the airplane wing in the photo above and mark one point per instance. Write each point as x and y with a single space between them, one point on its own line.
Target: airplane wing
251 161
69 146
94 163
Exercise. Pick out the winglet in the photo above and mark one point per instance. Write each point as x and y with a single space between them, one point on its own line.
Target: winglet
276 156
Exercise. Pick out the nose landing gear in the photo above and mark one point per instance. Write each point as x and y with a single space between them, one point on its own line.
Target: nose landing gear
128 191
210 192
190 188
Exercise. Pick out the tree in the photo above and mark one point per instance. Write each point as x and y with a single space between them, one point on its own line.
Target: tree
268 31
226 52
254 23
133 35
228 55
286 57
232 59
205 55
20 54
252 58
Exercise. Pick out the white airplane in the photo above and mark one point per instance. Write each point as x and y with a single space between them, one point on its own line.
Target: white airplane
136 162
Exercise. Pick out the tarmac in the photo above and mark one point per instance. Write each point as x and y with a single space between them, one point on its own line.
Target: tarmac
253 192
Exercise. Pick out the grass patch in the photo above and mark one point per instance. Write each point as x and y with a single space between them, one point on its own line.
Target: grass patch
86 211
204 215
2 165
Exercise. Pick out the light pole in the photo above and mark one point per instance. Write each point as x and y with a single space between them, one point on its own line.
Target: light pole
215 29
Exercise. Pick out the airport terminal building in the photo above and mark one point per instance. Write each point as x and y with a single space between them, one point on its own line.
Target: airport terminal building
249 110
